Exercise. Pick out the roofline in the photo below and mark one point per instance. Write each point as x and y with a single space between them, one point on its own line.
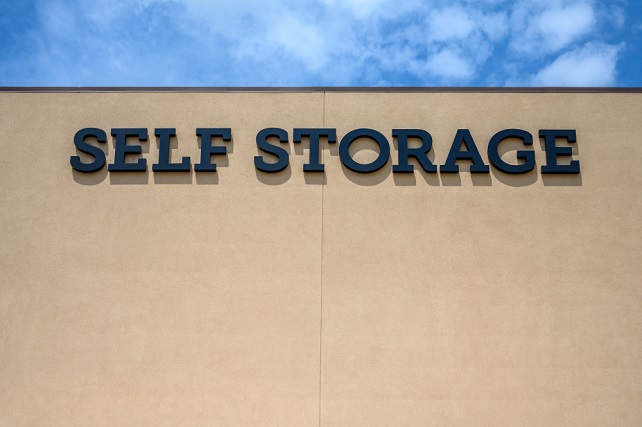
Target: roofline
306 89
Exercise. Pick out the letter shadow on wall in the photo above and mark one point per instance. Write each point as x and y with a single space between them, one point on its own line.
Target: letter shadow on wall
409 179
274 178
186 177
563 180
316 178
508 152
369 178
221 161
173 177
91 178
129 178
515 180
132 178
454 179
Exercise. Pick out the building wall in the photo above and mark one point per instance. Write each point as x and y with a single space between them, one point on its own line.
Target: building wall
247 298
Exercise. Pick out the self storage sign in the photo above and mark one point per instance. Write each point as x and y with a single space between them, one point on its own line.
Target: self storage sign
273 158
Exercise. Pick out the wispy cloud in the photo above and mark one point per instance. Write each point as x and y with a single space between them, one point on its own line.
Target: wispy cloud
547 27
589 65
315 42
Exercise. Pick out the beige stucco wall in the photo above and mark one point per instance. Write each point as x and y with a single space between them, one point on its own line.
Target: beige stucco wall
245 298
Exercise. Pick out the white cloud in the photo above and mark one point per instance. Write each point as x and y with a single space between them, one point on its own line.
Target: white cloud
494 25
358 8
561 26
450 65
450 23
549 26
305 42
591 65
455 22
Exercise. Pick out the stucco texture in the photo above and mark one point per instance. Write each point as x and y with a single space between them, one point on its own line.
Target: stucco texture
337 299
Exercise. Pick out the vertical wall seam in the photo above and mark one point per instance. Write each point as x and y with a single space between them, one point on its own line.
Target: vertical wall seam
321 279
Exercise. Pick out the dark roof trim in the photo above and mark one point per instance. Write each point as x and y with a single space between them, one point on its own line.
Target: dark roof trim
306 89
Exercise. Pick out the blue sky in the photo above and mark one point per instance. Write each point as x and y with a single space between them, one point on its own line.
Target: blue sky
320 43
